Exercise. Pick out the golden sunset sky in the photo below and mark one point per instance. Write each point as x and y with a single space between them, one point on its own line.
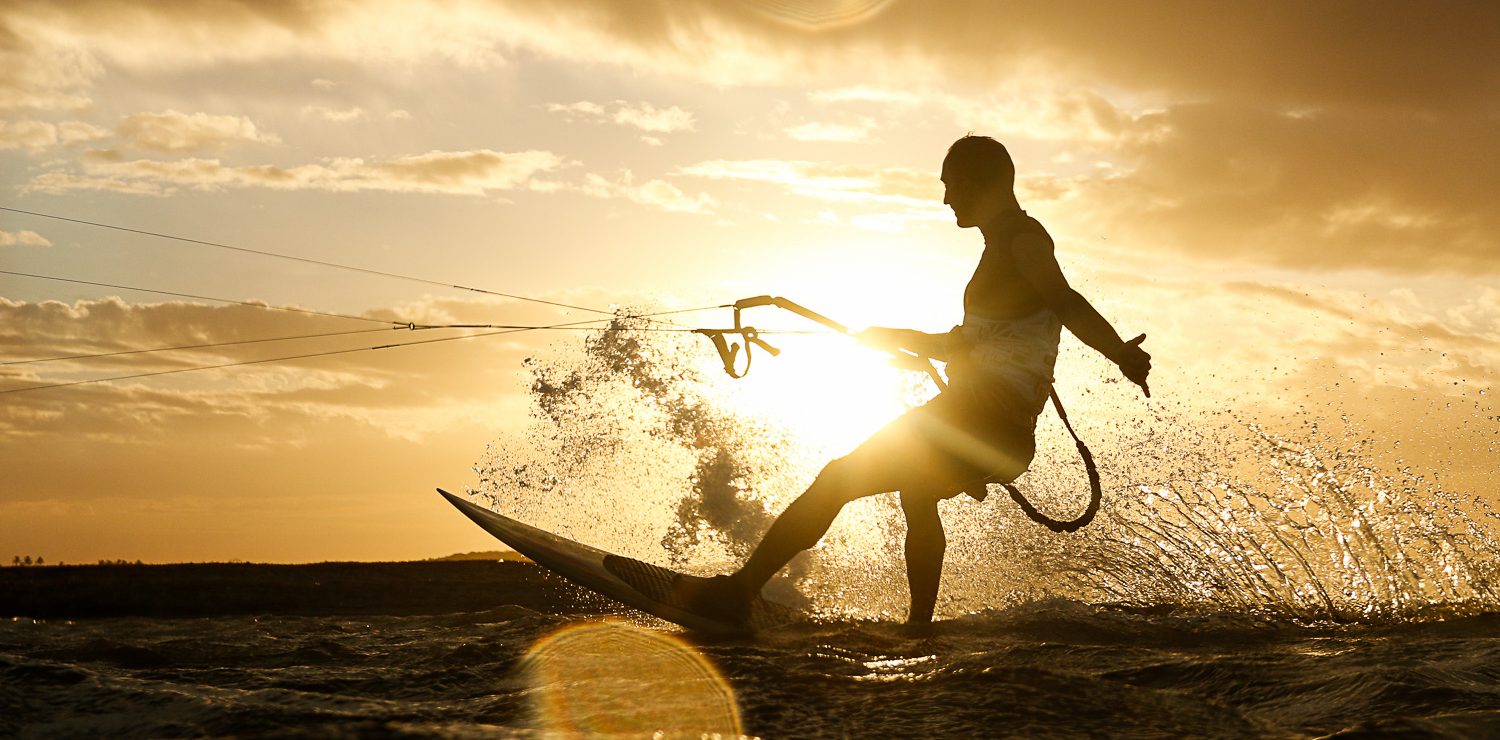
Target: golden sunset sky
1295 201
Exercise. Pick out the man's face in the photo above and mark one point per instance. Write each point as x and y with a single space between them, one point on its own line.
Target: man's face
974 202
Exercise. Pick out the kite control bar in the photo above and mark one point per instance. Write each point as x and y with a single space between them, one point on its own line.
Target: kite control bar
729 352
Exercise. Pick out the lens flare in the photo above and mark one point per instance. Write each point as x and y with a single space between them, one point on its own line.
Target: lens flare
612 678
819 15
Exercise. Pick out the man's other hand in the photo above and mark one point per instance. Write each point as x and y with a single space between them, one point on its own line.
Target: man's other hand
1135 363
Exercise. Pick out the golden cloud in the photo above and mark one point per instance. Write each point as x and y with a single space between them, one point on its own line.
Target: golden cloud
28 134
365 388
172 131
1334 189
336 115
23 238
917 194
473 173
833 131
830 181
478 172
1288 52
643 116
657 193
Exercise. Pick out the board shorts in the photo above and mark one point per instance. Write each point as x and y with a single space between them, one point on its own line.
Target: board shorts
947 446
982 428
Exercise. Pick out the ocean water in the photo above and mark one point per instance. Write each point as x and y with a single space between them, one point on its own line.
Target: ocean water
1246 577
1057 669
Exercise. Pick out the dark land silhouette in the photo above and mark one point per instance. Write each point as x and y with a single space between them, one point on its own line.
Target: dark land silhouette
228 589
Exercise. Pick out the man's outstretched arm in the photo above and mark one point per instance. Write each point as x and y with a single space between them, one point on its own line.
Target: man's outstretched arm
1039 267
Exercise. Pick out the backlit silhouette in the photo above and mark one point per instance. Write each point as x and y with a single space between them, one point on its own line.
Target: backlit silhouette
981 428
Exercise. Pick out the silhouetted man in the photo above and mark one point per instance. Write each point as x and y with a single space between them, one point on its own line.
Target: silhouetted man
999 365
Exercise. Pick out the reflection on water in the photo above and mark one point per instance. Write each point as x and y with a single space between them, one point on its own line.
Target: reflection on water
635 448
1056 669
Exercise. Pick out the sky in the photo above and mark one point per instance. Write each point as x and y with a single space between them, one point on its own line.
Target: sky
1294 201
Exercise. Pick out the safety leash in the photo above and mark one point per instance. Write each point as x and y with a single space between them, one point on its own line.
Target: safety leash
1095 493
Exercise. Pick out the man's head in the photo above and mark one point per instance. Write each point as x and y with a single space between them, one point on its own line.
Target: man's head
979 180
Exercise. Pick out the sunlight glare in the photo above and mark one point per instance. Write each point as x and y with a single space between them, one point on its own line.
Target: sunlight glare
830 391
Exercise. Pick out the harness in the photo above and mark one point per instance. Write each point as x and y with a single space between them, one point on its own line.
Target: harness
729 354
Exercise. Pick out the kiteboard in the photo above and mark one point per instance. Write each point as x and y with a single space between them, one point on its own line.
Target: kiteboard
634 583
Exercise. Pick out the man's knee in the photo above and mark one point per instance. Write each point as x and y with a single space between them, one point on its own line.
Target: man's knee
842 480
921 504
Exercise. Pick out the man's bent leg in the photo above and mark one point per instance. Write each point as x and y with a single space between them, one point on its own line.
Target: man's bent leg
925 544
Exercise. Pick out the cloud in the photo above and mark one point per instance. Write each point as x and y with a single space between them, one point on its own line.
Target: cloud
830 181
656 193
478 172
1392 191
42 74
643 116
580 109
1292 53
23 238
335 115
37 135
401 391
1041 112
914 195
647 117
472 173
828 131
865 94
172 131
1039 108
1390 55
28 134
73 132
1309 185
1391 340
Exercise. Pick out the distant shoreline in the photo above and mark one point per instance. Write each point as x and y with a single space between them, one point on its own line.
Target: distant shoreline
312 589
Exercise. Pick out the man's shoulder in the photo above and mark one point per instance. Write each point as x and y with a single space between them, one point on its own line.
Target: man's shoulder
1031 240
1028 224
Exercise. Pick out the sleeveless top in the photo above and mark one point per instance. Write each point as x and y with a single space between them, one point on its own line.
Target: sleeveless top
1002 358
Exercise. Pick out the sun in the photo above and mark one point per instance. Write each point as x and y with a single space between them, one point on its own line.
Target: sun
829 390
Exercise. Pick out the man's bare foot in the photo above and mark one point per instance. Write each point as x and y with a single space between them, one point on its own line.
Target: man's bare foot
722 598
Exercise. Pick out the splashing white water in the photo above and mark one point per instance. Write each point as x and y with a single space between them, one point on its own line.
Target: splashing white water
632 448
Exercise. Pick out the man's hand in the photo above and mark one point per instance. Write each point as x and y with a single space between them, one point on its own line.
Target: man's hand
1135 363
922 343
884 337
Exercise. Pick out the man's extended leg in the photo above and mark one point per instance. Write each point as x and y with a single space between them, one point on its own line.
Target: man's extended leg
925 543
803 523
895 458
